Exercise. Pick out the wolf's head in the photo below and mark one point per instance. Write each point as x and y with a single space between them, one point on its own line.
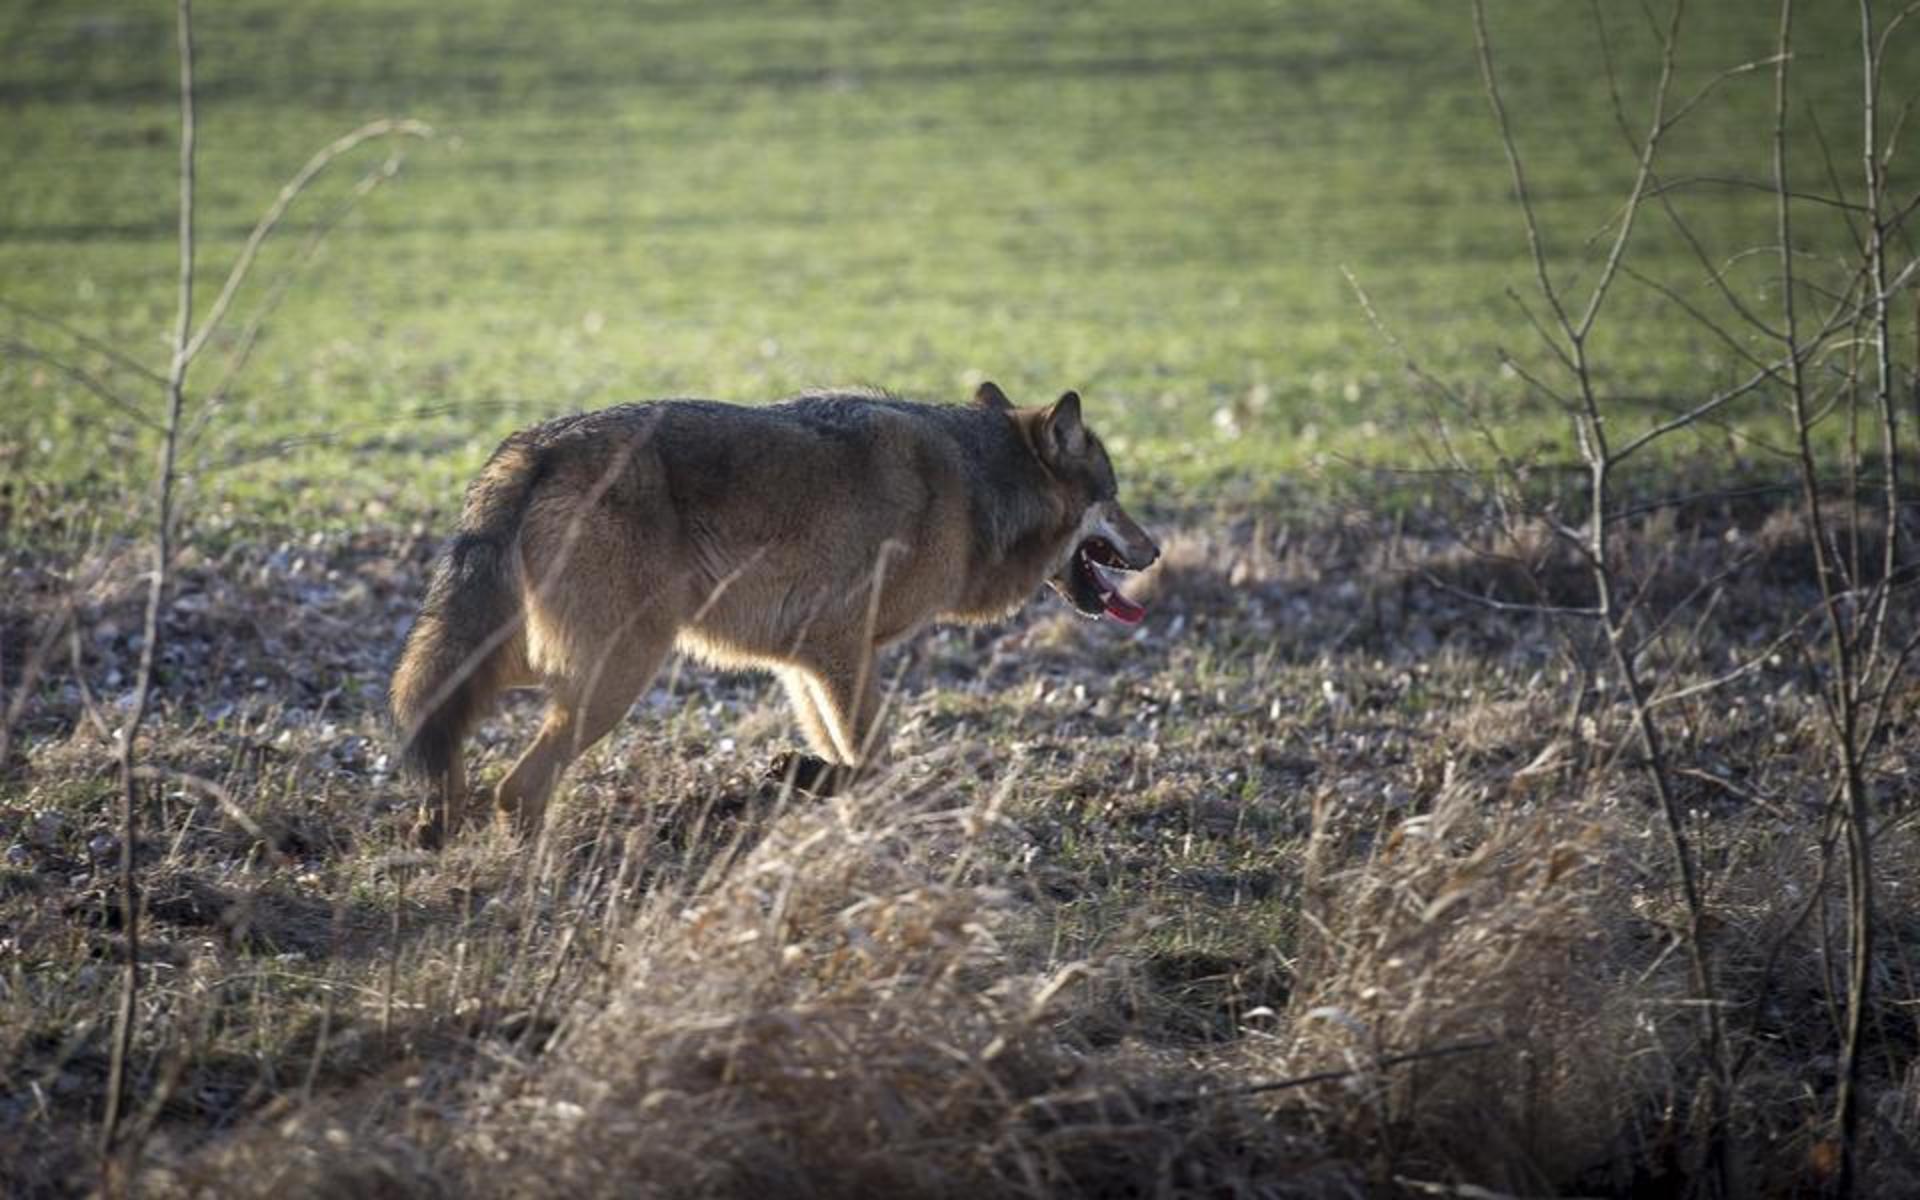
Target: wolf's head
1103 538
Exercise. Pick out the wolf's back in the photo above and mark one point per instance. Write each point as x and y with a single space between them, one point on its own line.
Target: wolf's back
469 632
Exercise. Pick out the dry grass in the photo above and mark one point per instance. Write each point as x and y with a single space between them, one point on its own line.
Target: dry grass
1321 816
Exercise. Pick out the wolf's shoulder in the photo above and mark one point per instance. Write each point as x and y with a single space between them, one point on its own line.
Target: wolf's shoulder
863 408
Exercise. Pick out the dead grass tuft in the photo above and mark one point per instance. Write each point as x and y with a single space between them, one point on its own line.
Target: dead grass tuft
1488 926
837 1015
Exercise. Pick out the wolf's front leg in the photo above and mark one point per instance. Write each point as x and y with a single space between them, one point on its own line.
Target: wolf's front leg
808 773
847 691
801 693
837 701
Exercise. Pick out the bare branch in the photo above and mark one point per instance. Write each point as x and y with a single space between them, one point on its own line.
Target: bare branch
91 382
32 665
1752 664
250 334
1300 1081
156 594
1546 338
1407 360
1833 175
86 339
1682 182
1641 510
1693 415
1487 436
1613 77
1712 85
1714 274
1673 297
1508 606
1530 379
1535 244
321 159
1642 176
1886 35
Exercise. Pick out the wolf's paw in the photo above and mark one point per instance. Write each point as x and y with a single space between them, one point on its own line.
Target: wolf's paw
439 820
808 773
429 830
521 819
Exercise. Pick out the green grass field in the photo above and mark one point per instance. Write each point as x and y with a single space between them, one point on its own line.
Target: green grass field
1154 207
1342 875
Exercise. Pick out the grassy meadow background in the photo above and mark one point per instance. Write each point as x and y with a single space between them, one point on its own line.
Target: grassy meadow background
1319 813
1153 206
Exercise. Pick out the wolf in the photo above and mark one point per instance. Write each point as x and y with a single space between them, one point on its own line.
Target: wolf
800 537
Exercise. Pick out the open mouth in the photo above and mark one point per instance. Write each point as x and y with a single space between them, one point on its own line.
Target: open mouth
1089 587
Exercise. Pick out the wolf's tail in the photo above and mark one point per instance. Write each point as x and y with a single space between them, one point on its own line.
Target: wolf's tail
470 631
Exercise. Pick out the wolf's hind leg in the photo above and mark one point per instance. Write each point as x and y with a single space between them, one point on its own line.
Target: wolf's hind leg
579 713
445 811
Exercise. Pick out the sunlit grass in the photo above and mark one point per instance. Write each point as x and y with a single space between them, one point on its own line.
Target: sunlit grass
739 202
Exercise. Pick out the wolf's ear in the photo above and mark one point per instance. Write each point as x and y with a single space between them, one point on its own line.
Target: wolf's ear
1062 434
989 396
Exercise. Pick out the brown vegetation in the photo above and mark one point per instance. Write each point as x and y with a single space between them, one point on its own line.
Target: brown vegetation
1322 817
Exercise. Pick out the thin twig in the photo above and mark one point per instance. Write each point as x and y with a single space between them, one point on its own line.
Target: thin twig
1643 175
86 339
1847 687
86 379
250 334
123 1026
1586 612
1300 1081
1536 245
1683 182
278 209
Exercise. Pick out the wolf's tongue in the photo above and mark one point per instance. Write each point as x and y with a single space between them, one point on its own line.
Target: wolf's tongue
1118 606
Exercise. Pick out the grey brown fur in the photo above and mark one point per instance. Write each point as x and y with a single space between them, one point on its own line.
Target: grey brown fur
800 537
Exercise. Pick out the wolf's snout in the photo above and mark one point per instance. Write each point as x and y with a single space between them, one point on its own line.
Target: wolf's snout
1149 553
1137 556
1136 549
